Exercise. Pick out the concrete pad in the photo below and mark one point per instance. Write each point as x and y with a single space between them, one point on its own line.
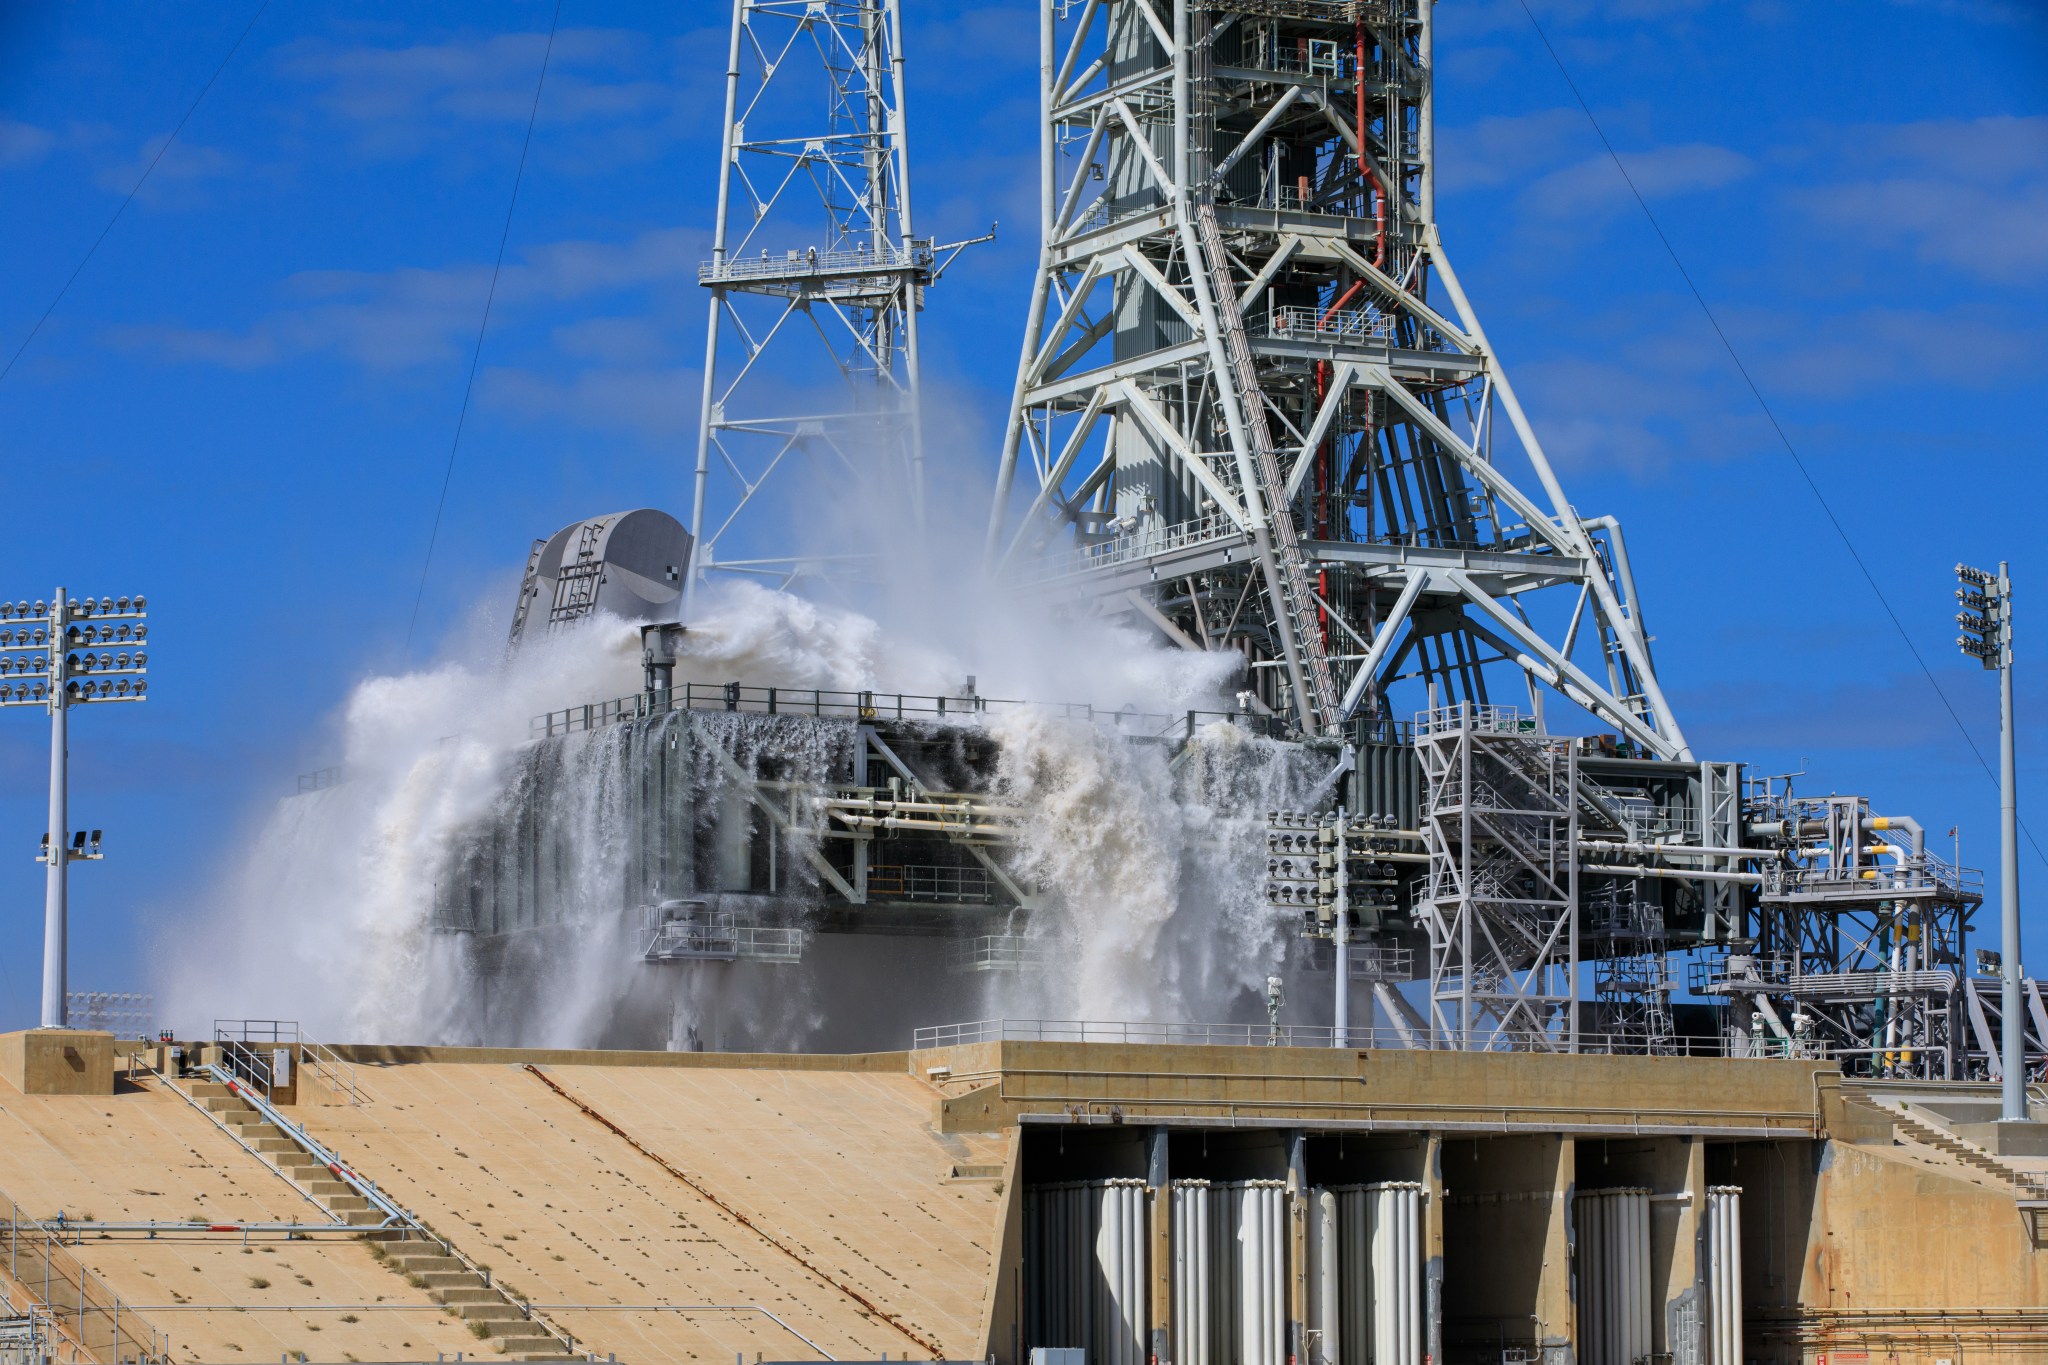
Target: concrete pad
2024 1138
58 1061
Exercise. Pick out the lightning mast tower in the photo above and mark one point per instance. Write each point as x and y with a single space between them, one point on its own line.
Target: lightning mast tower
816 279
1255 407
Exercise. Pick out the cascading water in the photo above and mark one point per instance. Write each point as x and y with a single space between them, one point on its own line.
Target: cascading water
1151 877
470 884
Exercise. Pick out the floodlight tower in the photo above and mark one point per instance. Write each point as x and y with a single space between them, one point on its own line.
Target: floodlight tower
1254 405
66 652
816 279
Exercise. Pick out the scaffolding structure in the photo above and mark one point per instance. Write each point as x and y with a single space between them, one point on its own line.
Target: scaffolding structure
816 279
1501 896
1254 407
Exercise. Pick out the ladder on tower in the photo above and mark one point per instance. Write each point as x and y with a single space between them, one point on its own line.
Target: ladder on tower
1298 602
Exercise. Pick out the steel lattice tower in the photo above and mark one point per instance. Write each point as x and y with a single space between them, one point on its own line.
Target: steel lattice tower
1254 405
816 275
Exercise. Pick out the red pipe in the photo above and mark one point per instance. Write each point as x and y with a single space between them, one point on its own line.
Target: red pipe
1342 299
1365 170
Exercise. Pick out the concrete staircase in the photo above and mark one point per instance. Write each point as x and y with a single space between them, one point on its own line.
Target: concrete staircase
489 1311
491 1314
2029 1191
1972 1157
296 1164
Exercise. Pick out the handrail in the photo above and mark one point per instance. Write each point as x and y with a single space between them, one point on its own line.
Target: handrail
1295 1035
844 704
395 1215
236 1035
103 1328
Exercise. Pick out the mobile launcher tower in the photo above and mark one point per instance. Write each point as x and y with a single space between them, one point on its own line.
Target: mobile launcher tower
1255 409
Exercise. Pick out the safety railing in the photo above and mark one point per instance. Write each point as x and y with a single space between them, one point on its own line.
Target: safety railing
1295 322
995 953
930 882
91 1322
250 1047
828 704
1141 543
1498 720
1309 57
1314 1035
916 254
722 940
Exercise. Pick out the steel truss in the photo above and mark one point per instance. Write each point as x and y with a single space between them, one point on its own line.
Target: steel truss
1501 900
816 277
1255 407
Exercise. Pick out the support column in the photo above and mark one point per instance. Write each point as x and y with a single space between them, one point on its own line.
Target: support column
1684 1324
1297 1247
1159 1193
1433 1247
1557 1330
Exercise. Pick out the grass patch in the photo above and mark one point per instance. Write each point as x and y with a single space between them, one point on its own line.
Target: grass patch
258 1282
480 1330
350 1317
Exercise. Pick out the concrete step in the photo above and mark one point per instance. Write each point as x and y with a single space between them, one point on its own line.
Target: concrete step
495 1310
324 1187
363 1218
473 1292
452 1279
345 1203
276 1143
425 1263
532 1348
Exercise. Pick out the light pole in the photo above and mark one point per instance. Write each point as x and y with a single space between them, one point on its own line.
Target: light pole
1987 620
59 654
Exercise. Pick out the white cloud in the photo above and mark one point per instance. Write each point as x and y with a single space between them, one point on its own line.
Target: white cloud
23 144
653 403
412 316
1972 195
611 98
179 177
1595 185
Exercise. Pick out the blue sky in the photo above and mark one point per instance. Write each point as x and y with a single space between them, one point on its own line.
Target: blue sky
243 406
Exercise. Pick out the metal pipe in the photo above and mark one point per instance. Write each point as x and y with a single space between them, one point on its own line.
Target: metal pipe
1365 166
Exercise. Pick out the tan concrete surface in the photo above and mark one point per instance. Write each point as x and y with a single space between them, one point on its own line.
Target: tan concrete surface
993 1083
838 1167
58 1061
144 1154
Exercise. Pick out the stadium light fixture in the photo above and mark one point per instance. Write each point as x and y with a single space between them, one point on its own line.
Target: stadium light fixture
46 662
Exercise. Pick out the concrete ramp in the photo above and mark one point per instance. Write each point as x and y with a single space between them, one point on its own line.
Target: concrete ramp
665 1210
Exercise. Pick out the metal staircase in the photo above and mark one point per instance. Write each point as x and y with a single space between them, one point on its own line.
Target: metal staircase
1295 613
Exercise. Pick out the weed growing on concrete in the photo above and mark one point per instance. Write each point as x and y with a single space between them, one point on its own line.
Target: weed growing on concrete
258 1282
480 1330
350 1317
